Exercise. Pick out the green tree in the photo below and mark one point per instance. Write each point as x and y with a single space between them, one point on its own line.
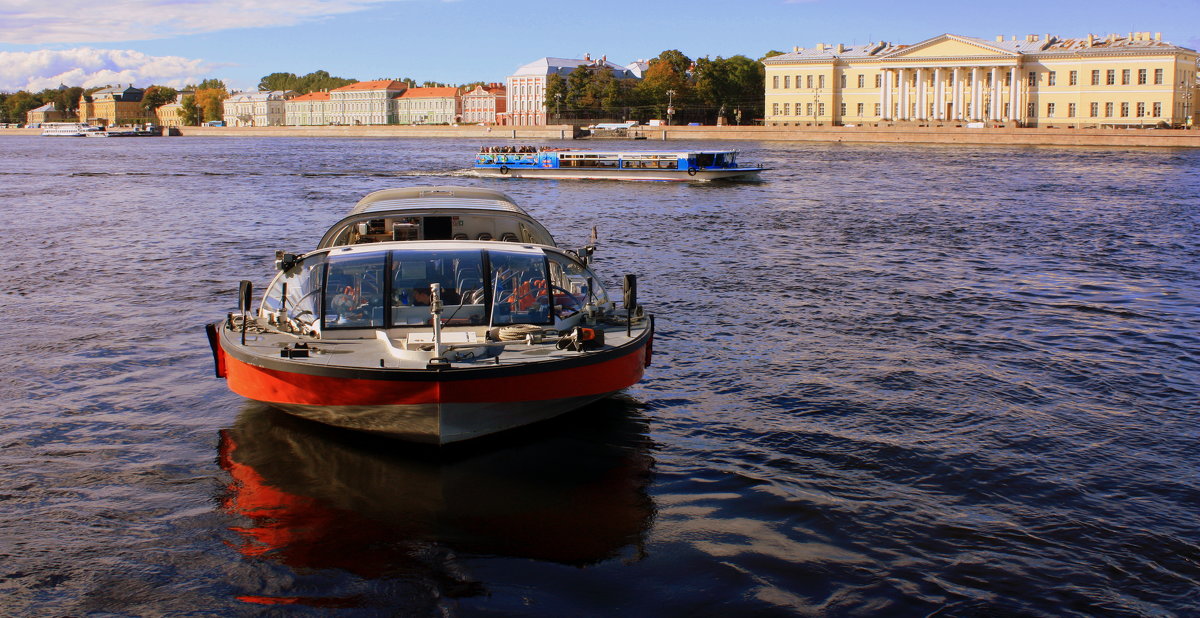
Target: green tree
66 100
188 111
725 86
18 104
279 81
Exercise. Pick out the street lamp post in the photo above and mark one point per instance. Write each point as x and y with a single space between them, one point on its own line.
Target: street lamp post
558 105
1187 104
670 106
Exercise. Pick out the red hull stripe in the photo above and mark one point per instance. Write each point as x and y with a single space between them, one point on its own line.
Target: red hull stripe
275 386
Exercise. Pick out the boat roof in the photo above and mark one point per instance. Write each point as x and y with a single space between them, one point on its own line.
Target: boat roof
473 203
436 198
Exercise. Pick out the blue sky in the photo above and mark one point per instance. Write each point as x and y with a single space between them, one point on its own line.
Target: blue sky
175 42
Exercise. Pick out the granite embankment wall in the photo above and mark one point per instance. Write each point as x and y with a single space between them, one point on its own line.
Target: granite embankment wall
1134 138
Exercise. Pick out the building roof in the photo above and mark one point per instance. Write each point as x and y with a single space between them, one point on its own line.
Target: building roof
49 107
564 66
379 84
313 96
440 92
1029 44
248 97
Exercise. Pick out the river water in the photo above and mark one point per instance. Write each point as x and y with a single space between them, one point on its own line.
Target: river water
888 380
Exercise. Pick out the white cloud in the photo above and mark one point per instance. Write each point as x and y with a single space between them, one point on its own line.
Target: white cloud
87 67
36 22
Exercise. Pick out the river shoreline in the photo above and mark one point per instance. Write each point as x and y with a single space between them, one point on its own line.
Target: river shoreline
891 134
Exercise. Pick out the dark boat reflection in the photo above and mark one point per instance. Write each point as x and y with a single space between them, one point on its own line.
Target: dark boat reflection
572 492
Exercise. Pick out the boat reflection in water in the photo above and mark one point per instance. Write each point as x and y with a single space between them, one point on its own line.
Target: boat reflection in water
571 492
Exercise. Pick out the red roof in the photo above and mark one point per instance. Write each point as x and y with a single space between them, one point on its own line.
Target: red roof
429 93
379 84
313 96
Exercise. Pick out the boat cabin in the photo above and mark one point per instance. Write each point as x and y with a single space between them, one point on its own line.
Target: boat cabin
388 264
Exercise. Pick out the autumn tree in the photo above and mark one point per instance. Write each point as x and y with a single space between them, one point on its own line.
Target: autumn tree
156 97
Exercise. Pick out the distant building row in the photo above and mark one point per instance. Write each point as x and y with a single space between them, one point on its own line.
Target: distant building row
521 101
377 102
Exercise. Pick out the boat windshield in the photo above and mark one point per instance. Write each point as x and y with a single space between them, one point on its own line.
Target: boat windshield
387 289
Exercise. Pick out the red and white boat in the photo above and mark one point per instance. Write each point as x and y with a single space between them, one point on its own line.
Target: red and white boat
436 315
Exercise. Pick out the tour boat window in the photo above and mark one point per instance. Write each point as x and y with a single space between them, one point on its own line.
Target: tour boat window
303 285
569 285
354 291
459 275
519 294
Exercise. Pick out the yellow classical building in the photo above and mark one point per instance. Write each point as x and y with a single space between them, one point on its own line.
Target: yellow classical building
1037 80
114 106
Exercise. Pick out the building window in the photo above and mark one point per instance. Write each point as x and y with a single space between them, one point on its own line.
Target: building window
1073 78
786 82
842 109
820 109
1157 110
820 81
797 82
1032 78
1110 77
1049 110
774 109
1032 110
775 82
1125 77
862 79
1142 77
843 76
808 81
808 109
1070 110
878 81
1108 109
878 110
1095 107
1052 78
1158 76
1141 109
786 112
1125 109
860 109
798 104
1096 77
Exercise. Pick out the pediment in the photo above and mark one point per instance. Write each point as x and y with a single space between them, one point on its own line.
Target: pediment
951 46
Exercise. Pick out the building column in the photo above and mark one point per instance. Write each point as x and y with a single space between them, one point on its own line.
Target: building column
994 114
922 96
975 92
939 95
1014 98
884 91
904 95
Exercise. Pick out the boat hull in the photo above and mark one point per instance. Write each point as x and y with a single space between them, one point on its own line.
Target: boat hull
618 174
434 406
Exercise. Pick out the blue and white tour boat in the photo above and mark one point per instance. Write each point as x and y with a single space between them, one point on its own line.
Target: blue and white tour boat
678 165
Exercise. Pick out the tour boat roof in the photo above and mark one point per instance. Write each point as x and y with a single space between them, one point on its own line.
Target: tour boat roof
479 214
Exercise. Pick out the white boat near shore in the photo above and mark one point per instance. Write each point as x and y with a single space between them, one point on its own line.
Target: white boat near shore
69 129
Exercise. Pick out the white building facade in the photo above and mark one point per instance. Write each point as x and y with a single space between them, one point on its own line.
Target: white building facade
372 102
309 110
256 109
440 105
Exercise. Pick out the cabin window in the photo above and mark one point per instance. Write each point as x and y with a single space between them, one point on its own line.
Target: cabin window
572 285
459 275
354 295
519 294
303 281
